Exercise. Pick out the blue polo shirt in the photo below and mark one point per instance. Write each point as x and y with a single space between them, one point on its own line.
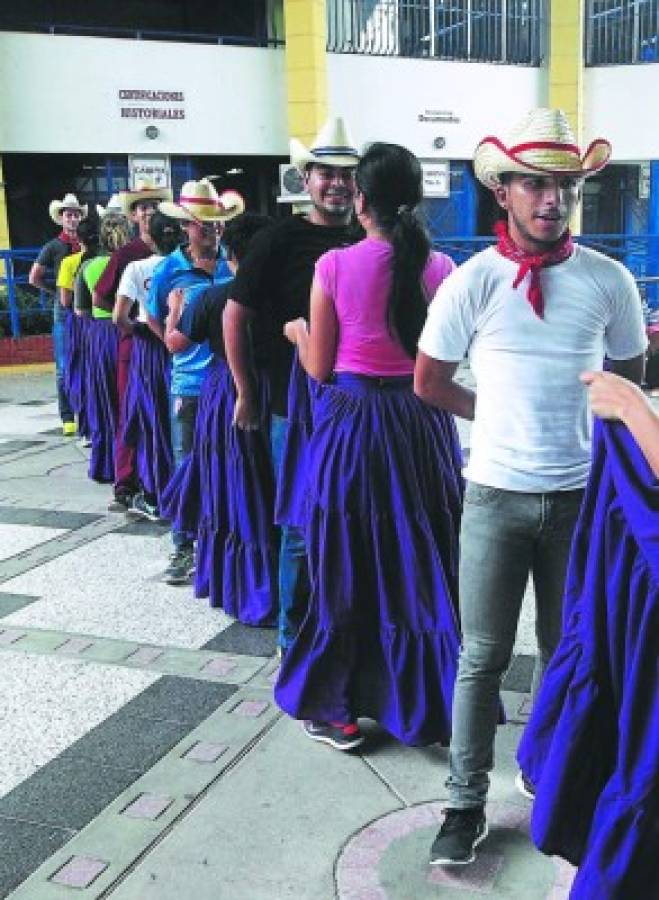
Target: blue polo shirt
190 367
166 273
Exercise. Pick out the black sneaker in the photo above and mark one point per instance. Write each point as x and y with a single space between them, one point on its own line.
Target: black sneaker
461 832
120 503
181 567
341 737
524 786
140 508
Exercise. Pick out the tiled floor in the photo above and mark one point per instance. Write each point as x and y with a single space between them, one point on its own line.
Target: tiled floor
141 753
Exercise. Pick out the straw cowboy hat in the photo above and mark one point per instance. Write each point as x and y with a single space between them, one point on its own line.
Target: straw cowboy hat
333 146
200 201
114 206
70 201
143 191
541 144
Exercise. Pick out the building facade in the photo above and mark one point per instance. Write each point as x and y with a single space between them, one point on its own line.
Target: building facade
184 88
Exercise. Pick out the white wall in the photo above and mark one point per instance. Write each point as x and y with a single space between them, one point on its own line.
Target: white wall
60 95
622 104
382 98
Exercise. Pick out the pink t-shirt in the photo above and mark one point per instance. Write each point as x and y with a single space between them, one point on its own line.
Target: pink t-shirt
358 279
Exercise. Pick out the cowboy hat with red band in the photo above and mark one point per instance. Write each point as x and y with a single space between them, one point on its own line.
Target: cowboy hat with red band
543 143
200 202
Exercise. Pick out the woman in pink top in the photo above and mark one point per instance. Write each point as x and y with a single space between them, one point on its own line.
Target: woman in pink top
380 638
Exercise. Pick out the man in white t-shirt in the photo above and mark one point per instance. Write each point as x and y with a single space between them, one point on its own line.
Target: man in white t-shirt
532 313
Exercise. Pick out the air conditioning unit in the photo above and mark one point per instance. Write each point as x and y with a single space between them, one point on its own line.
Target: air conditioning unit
291 185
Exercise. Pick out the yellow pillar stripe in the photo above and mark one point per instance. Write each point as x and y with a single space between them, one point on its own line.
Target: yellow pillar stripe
4 224
306 66
566 36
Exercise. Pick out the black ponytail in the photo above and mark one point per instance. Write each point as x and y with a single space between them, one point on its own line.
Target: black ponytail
390 179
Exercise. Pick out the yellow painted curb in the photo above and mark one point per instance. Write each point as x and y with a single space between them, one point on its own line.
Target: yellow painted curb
27 368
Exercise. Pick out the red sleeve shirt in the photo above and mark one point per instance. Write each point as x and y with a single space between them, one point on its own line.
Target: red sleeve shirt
108 283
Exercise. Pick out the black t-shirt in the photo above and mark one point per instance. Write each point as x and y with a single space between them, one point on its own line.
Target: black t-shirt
274 280
50 257
202 321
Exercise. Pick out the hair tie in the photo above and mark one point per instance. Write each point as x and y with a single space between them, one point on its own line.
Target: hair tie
403 209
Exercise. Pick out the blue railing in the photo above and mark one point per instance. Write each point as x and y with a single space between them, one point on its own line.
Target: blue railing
19 302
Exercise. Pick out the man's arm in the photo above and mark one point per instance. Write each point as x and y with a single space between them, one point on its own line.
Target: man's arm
66 297
632 369
121 314
235 323
434 384
36 278
101 302
175 341
155 326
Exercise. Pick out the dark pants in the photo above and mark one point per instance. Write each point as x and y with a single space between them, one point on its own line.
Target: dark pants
59 352
125 480
294 585
183 417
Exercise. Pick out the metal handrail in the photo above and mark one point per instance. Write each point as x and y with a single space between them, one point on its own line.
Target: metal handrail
639 252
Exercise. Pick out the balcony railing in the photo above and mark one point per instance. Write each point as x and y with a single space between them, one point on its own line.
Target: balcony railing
620 32
504 31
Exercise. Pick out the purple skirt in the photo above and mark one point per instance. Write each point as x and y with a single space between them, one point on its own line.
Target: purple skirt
146 418
223 492
380 638
291 481
101 379
75 383
591 746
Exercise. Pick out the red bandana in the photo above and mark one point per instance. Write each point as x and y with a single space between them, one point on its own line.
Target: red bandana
532 262
72 241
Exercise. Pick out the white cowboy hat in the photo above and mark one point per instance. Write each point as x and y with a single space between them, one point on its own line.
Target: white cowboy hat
70 201
200 201
333 146
143 191
543 143
114 206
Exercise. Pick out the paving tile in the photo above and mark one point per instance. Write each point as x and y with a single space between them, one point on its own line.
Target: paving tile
219 667
68 792
520 674
144 656
74 645
147 806
205 752
25 846
11 636
8 447
10 603
144 529
174 699
50 518
245 640
80 871
126 741
250 709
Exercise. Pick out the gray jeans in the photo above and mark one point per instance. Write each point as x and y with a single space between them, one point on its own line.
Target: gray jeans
505 535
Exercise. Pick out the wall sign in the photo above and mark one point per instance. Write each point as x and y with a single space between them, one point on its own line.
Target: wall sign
152 170
436 178
150 104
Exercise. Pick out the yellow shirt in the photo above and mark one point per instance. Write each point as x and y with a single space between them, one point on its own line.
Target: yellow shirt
67 270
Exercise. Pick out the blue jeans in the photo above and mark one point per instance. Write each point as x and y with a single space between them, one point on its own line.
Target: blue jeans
505 536
294 587
182 417
59 352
